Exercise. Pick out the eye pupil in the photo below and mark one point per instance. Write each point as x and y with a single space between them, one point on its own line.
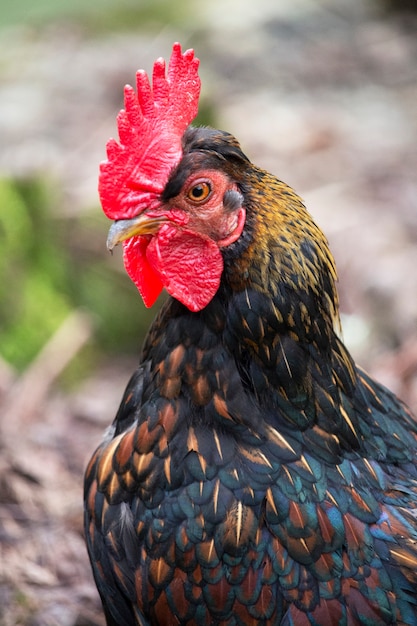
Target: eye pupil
199 192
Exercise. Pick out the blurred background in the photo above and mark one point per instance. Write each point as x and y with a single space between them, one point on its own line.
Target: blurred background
322 93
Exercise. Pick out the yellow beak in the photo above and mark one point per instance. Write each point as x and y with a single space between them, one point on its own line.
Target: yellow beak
139 225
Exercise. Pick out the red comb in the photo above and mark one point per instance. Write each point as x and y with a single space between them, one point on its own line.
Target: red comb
150 129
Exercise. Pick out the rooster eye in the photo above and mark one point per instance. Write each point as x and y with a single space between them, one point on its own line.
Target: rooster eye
199 192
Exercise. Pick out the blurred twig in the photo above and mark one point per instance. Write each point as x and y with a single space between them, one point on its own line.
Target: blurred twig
27 395
7 376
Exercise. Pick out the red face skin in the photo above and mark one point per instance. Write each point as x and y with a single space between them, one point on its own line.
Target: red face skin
177 245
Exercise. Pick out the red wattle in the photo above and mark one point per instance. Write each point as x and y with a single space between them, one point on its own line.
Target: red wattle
140 270
187 264
190 265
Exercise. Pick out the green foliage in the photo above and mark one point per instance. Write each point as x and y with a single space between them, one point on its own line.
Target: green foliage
100 16
133 15
50 265
32 270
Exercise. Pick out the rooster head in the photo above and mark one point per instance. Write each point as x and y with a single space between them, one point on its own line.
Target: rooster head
174 207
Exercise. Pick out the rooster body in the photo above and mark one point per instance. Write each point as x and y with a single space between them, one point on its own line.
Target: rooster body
253 475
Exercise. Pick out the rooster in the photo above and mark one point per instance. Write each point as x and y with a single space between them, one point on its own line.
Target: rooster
254 474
